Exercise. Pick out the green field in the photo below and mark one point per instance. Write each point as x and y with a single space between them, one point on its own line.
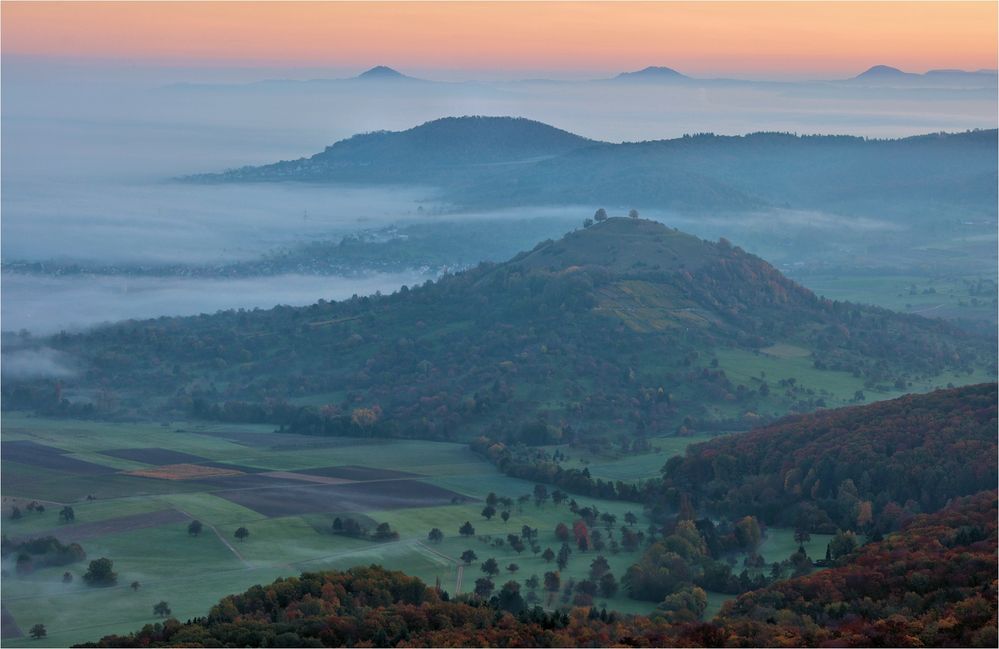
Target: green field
191 573
947 296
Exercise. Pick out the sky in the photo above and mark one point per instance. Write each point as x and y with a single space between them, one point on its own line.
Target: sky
456 39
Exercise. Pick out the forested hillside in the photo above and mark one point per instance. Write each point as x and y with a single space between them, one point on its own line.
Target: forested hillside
504 162
627 326
866 468
932 584
618 325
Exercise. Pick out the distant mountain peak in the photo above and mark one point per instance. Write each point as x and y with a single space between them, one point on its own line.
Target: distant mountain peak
382 73
651 73
881 71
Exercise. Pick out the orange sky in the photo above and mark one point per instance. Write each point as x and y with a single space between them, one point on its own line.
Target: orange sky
707 37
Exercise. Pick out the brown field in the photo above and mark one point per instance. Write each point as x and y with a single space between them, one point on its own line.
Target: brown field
157 456
48 457
75 532
357 496
185 472
304 477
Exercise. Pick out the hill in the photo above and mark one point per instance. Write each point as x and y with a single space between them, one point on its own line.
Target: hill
652 73
932 584
501 162
382 73
627 326
866 468
442 151
959 78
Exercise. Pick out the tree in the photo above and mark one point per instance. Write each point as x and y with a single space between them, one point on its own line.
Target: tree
685 605
488 512
194 529
599 567
509 598
492 499
587 223
15 513
38 631
562 532
67 577
484 587
548 555
101 573
162 609
505 515
532 582
435 535
490 567
67 515
801 537
466 529
241 534
633 213
600 215
468 556
842 544
552 582
540 494
563 556
512 568
135 586
630 519
608 585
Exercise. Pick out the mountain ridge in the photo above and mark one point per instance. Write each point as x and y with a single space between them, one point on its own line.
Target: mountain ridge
494 162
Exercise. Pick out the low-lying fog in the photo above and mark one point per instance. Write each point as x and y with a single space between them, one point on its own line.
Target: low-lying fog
88 154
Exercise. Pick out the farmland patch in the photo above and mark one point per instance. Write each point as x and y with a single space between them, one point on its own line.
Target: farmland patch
75 532
185 472
358 473
156 456
360 496
53 459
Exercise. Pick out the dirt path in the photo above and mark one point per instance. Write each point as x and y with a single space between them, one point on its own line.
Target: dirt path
457 583
224 540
